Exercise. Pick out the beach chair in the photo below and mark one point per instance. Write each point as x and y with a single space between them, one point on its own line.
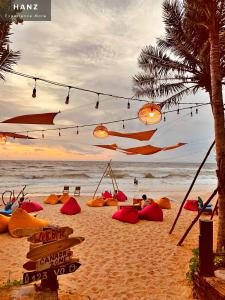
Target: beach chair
208 208
77 191
66 189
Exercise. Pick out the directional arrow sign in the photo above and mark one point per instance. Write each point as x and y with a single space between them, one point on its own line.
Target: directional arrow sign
64 269
51 248
50 235
49 261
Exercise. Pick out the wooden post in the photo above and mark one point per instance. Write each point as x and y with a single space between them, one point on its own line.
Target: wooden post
206 248
190 188
197 217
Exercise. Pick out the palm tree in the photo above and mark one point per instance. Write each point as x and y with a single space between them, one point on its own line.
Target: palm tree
8 58
190 57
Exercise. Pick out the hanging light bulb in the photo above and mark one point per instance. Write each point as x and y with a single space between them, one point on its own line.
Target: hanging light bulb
3 139
59 132
178 110
43 136
100 131
68 96
77 130
34 89
196 110
191 112
123 125
97 103
164 118
150 113
27 135
128 104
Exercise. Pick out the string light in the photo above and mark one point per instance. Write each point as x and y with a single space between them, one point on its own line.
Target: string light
178 110
27 135
196 110
164 117
191 112
43 136
59 131
77 130
123 125
34 89
68 96
128 104
97 103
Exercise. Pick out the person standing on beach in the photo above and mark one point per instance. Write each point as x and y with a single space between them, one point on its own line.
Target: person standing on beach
147 201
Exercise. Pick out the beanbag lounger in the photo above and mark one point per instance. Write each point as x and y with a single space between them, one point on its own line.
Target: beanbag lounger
152 212
98 202
71 207
120 196
21 219
31 206
106 195
191 205
4 221
127 214
164 202
52 199
64 197
111 202
5 212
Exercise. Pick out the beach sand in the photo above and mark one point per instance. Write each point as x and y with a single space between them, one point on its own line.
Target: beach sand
119 261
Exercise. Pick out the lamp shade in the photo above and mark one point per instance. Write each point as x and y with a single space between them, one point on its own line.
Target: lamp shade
150 113
100 132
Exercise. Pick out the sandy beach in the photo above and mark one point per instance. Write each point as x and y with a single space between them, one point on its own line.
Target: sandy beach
119 261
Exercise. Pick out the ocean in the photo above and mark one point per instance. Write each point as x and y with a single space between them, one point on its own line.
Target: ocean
155 179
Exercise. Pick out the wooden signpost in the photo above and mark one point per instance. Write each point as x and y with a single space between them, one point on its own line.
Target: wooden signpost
52 258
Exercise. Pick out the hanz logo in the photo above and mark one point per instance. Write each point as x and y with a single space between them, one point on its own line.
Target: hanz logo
33 6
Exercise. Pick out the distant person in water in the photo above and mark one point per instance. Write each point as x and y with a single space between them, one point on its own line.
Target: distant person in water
135 181
147 201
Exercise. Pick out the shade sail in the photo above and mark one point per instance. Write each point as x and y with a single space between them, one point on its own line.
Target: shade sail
143 150
16 135
141 136
44 119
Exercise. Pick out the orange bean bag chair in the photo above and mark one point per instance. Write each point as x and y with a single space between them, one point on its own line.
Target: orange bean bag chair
164 202
21 219
111 202
71 207
127 214
52 199
98 202
152 212
4 221
64 197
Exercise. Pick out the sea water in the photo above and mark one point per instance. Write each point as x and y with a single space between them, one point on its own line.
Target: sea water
46 177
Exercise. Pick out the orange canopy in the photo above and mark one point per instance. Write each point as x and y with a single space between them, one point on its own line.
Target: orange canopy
143 150
46 119
141 136
16 135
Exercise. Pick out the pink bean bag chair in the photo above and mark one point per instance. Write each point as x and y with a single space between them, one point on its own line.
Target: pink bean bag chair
106 195
126 214
70 207
120 196
152 212
191 205
31 206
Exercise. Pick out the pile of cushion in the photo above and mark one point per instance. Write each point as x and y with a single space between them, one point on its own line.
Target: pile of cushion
70 207
164 203
191 205
129 214
30 206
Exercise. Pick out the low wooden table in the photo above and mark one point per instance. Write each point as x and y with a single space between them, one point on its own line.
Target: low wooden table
121 205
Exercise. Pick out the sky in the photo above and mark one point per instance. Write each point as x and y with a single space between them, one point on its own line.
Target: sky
93 44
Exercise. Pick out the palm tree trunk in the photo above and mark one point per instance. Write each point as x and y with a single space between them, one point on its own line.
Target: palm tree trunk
218 113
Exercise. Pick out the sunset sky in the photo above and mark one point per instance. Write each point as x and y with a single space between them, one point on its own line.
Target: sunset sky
93 44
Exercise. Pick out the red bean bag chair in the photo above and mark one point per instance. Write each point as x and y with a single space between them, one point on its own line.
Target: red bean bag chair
106 195
152 212
120 196
31 206
191 205
70 207
126 214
